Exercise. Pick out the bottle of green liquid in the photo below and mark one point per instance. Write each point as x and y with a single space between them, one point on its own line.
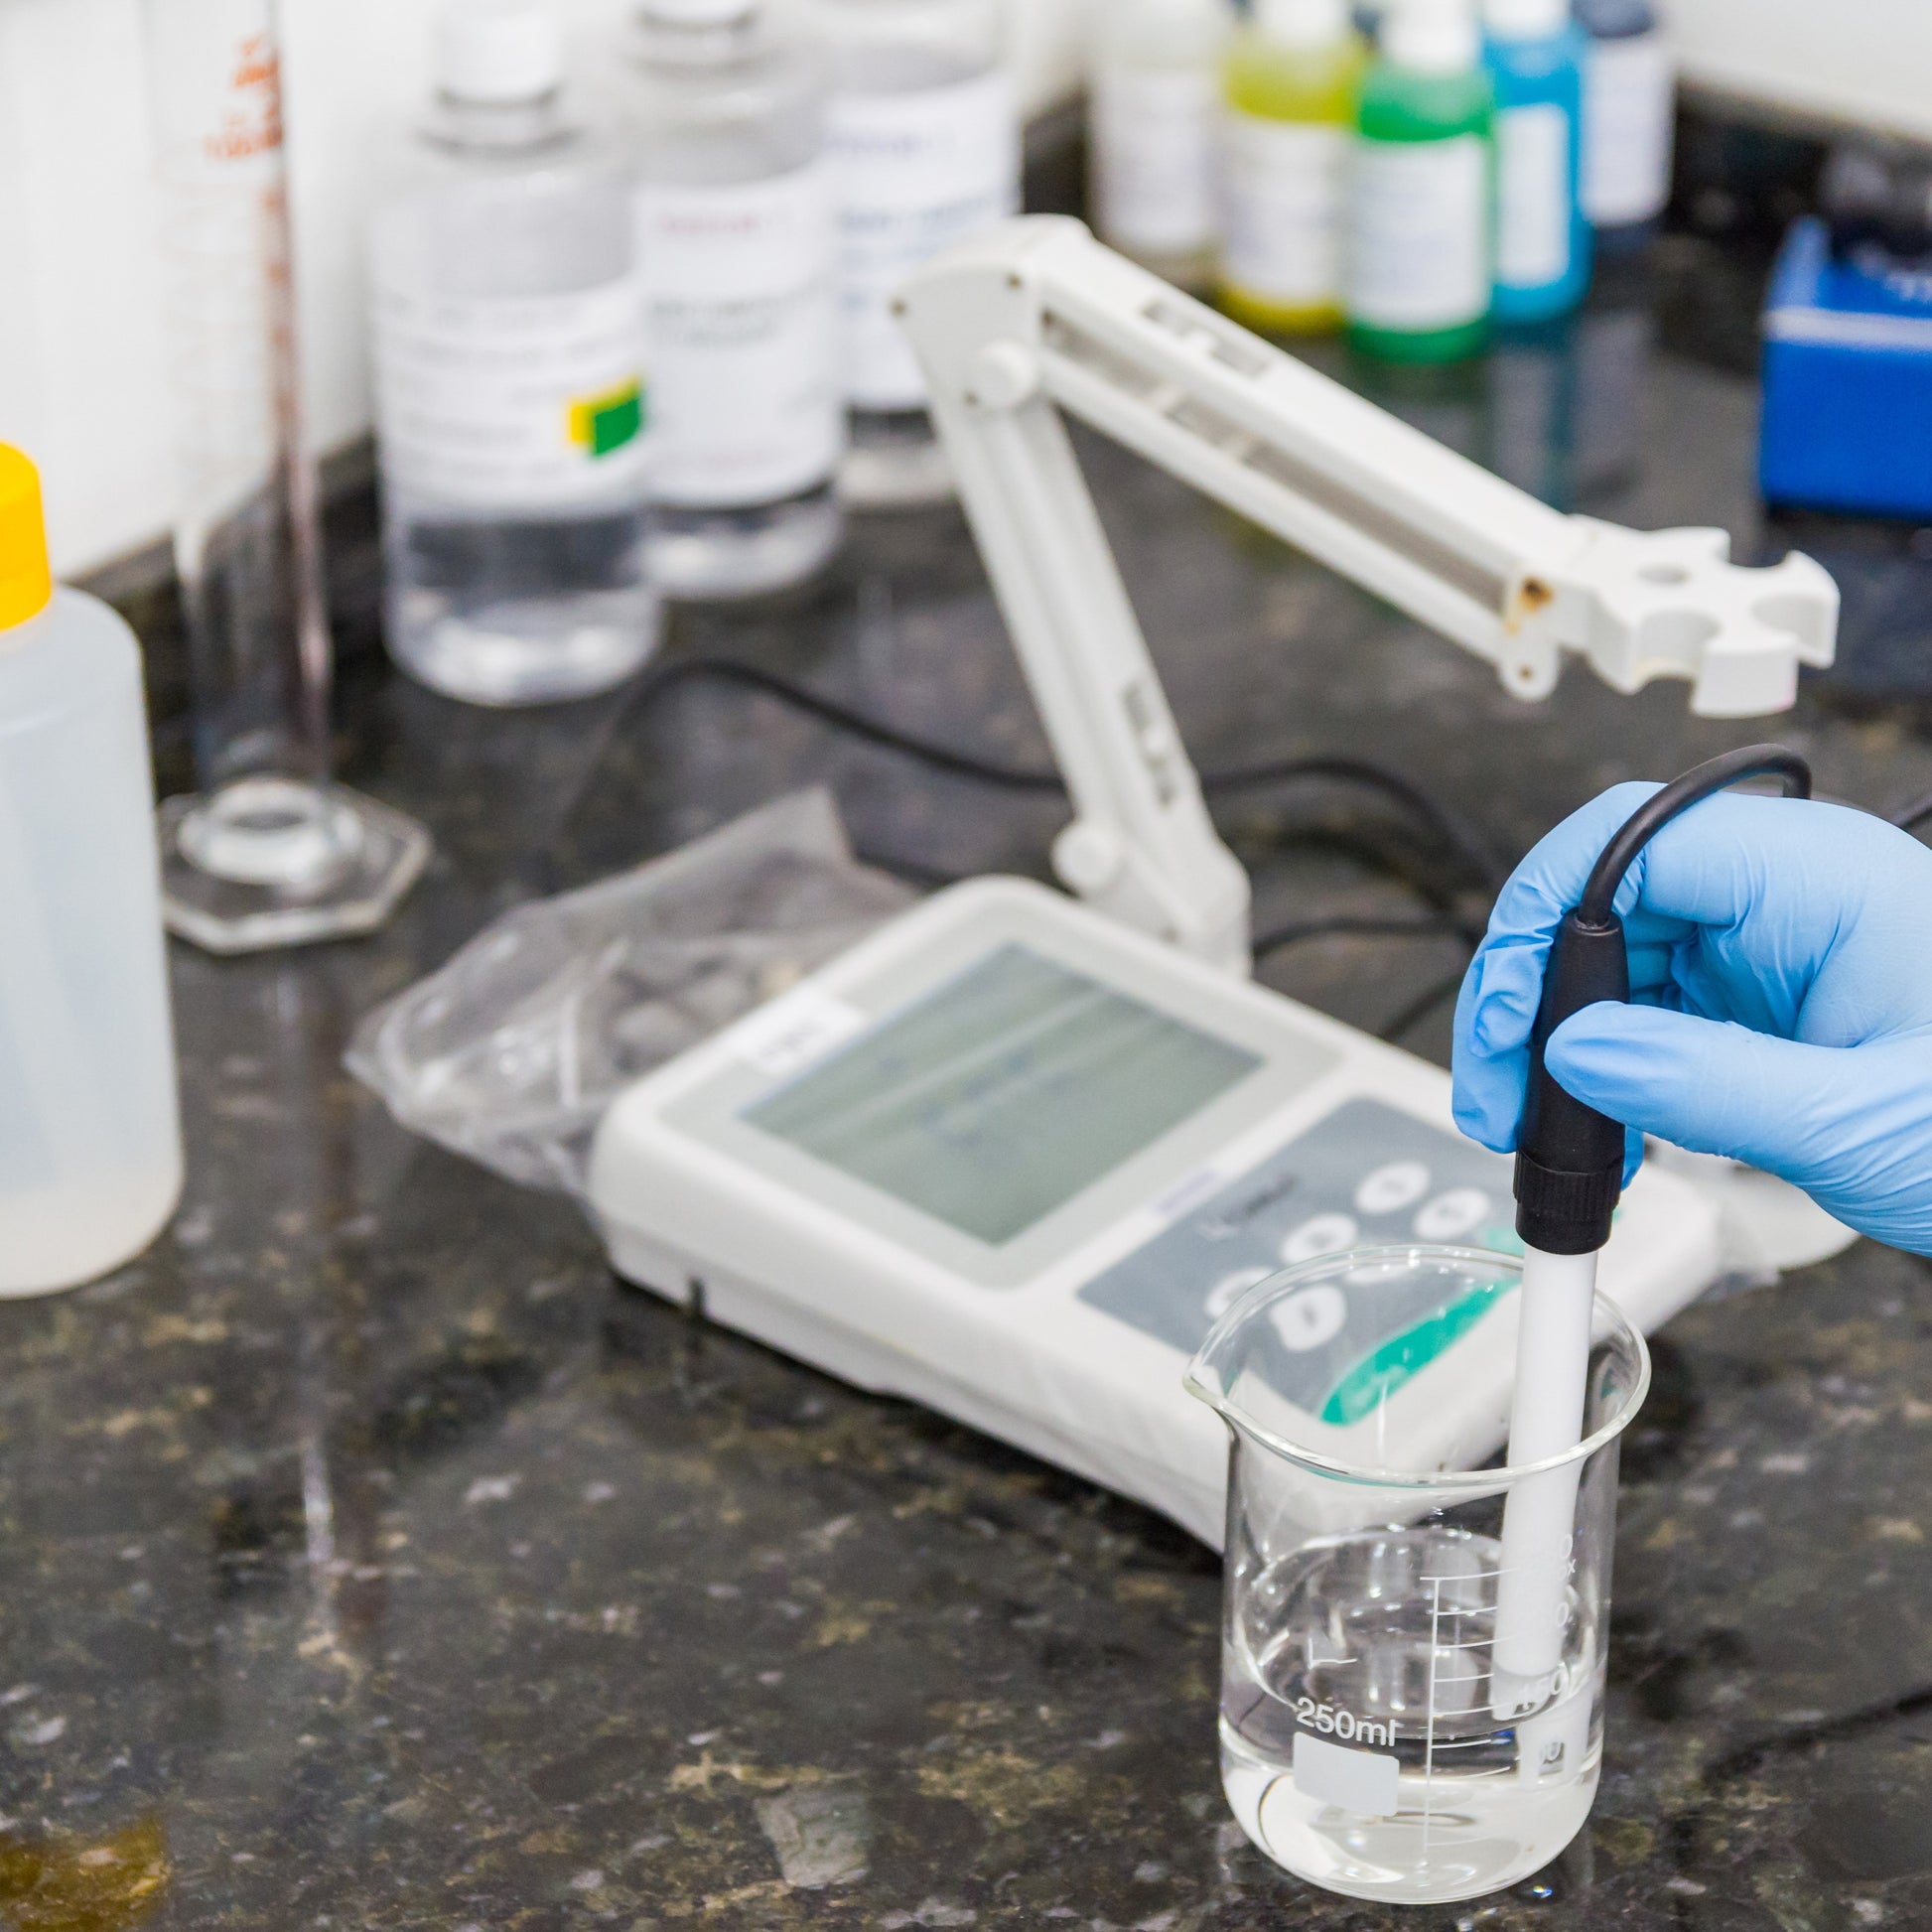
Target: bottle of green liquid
1294 75
1421 254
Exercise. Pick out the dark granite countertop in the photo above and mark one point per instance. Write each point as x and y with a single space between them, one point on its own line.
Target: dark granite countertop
371 1559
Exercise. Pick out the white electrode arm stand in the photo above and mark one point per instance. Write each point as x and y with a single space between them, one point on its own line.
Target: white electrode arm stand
1037 317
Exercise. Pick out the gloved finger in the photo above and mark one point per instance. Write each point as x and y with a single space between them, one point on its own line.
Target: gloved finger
1712 1088
1497 1007
1851 1125
1801 912
1495 1013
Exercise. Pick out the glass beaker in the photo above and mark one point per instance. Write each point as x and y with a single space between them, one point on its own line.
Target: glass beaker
1366 1744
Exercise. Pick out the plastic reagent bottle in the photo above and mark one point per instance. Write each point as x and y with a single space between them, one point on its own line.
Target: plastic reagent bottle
90 1154
737 250
1293 82
1421 190
1156 115
1537 57
924 136
1628 116
510 382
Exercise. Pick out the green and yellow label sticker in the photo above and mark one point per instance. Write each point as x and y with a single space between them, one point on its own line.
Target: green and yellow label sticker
608 423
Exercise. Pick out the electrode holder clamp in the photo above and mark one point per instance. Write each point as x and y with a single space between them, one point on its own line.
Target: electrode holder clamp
1570 1157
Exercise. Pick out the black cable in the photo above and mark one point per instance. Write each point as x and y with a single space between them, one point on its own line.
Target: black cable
1450 830
1350 927
1915 815
1417 1010
1417 804
1598 903
666 678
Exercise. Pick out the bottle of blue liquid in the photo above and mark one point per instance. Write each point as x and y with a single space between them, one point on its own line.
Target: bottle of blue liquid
1536 57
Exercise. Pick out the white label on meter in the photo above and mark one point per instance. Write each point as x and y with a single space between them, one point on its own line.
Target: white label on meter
794 1031
1628 130
916 172
1534 197
1284 192
1153 141
742 321
512 402
1419 254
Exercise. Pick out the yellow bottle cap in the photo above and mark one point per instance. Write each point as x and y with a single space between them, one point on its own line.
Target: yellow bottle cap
25 576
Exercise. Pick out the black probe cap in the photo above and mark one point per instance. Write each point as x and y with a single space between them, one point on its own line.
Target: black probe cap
1570 1159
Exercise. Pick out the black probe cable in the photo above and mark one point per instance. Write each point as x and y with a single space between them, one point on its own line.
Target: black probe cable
1570 1159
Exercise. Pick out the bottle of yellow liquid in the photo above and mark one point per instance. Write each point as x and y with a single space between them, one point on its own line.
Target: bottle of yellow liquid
1294 77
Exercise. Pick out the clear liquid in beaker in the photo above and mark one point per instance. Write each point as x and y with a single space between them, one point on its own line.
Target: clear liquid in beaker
1358 1746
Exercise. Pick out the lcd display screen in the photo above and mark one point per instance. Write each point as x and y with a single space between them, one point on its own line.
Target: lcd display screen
997 1099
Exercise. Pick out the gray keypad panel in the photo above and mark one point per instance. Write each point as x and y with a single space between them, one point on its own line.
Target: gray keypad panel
1366 1176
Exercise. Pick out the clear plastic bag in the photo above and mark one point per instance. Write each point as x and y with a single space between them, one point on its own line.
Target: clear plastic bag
511 1052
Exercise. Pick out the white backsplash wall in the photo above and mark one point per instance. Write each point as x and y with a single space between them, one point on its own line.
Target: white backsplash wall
1848 59
82 369
81 374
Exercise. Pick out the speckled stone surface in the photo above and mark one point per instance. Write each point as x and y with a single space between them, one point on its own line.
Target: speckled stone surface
370 1560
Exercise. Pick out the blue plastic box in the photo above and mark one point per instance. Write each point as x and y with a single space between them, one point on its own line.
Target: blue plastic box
1848 382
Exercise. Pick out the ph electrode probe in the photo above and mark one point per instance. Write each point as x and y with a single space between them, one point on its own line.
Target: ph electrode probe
1569 1167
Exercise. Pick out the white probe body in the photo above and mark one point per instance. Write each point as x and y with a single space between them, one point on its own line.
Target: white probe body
1558 1297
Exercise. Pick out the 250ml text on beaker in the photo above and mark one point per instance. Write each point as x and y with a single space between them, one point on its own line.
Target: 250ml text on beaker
1344 1724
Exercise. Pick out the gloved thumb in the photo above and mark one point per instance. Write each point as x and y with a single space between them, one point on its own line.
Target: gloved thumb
1710 1087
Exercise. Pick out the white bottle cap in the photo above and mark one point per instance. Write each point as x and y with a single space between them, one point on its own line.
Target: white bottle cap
1303 22
698 13
1526 20
497 52
1431 36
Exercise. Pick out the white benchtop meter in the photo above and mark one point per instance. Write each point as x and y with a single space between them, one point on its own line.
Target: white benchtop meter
1011 1160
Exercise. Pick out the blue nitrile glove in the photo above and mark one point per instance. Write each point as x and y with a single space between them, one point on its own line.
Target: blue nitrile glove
1781 965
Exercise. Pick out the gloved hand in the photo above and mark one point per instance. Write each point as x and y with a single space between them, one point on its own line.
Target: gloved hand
1781 969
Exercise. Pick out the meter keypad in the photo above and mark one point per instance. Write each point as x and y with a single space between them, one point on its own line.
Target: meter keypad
1367 1176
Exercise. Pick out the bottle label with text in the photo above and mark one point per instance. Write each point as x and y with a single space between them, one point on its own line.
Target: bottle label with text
742 327
1284 188
1154 156
1534 226
1627 126
1418 253
918 172
512 402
